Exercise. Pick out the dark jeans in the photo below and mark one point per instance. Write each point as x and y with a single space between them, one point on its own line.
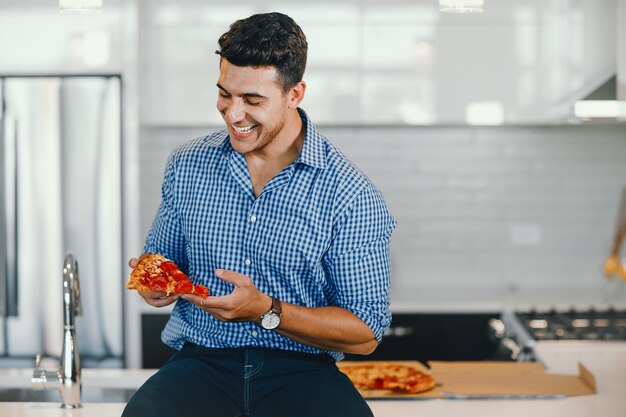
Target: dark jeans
203 382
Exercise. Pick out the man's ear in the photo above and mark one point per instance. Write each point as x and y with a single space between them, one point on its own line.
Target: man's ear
296 94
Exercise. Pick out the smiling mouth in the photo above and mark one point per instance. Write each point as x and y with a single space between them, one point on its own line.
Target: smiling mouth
244 130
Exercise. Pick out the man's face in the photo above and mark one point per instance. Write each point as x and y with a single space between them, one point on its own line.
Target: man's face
252 104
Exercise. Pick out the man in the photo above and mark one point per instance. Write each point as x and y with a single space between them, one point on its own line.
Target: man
291 239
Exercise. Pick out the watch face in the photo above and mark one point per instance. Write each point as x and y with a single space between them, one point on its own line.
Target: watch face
271 321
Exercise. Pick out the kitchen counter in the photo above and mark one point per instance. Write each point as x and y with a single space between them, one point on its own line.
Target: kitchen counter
610 401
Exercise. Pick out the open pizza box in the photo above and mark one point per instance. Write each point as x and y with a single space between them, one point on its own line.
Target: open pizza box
493 380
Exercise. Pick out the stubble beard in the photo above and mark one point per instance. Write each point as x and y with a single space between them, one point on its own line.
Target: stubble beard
268 137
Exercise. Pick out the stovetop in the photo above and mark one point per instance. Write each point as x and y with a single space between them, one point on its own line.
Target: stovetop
574 324
528 335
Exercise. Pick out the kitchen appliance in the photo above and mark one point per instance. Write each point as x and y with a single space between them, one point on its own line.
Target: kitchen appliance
60 192
534 335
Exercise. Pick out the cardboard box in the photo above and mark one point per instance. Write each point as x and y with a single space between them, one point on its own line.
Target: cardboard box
491 380
508 380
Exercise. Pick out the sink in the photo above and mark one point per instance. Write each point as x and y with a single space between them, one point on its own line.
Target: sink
99 386
89 395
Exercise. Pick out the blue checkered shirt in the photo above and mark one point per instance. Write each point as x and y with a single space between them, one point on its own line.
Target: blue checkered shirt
317 235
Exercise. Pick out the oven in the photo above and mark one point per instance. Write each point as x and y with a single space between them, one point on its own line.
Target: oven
559 336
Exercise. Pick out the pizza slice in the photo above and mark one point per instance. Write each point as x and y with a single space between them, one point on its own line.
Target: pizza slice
395 377
155 273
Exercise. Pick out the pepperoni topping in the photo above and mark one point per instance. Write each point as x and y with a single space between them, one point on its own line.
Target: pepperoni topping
159 284
179 276
201 290
378 383
184 287
168 267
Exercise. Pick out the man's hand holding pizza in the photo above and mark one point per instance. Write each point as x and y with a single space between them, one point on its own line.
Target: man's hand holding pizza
155 299
244 303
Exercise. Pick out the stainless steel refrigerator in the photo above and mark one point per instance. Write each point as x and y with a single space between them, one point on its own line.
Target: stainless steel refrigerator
60 192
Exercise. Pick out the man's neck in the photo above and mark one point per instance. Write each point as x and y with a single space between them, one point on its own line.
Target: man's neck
285 148
265 164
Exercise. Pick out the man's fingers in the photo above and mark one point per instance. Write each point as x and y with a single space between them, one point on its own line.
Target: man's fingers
194 299
232 277
132 262
218 307
210 301
153 295
159 299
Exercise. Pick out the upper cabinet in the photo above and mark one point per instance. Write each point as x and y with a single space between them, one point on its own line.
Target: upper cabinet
394 62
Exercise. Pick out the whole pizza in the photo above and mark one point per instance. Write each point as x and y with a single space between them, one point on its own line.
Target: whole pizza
155 273
390 376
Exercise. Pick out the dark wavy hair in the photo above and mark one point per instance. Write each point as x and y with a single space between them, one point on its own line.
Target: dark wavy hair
267 40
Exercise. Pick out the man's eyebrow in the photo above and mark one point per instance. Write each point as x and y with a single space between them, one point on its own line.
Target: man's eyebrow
254 95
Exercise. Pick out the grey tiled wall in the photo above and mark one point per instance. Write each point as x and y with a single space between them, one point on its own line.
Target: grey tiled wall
530 207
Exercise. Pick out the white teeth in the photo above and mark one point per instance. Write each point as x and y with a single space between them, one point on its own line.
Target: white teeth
244 130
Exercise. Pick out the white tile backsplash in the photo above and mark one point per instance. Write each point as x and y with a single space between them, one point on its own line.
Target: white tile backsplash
492 210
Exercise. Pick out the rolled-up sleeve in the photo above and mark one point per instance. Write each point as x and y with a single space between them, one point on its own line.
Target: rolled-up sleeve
357 263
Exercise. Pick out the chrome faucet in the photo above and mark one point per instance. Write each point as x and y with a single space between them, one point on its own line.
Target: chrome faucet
67 378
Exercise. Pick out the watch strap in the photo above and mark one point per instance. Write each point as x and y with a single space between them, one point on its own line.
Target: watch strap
277 306
275 310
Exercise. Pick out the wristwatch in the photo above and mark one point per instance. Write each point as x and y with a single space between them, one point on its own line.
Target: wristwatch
271 319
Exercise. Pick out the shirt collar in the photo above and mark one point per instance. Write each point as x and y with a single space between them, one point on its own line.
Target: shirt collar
312 152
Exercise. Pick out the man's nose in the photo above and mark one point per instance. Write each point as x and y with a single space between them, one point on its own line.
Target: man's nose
235 112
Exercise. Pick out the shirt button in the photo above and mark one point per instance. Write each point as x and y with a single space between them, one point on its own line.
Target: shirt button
253 218
247 262
254 333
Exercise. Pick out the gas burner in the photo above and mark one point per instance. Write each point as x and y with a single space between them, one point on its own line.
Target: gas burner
521 334
575 324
